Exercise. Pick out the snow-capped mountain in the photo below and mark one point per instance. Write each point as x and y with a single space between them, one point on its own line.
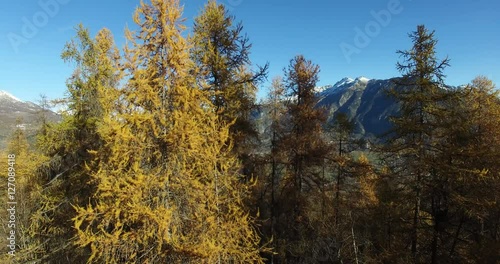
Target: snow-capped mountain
335 87
11 104
341 85
363 99
17 113
7 96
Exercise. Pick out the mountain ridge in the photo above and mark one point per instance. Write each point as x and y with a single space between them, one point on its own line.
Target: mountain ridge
364 101
15 113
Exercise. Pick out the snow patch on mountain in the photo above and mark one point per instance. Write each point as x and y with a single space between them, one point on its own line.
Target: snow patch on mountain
362 79
6 95
341 86
343 82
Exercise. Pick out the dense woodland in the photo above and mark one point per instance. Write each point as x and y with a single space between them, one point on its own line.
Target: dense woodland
158 158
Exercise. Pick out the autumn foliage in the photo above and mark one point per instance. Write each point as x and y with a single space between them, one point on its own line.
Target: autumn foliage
162 155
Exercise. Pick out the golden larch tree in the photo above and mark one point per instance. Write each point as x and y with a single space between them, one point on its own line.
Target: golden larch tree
166 185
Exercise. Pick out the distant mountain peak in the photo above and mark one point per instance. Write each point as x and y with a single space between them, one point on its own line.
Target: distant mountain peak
340 86
362 79
13 110
6 95
344 81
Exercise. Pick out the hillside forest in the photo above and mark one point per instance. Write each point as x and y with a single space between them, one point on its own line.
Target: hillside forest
159 157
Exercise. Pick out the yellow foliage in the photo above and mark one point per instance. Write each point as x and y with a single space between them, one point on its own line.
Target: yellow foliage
167 189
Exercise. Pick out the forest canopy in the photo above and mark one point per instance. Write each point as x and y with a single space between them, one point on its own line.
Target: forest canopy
160 158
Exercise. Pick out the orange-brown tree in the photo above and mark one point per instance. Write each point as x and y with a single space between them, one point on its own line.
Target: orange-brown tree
303 151
421 95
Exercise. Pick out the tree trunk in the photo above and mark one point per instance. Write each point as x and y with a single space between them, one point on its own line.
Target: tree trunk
457 235
416 215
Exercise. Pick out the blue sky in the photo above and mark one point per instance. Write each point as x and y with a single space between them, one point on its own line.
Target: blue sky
326 32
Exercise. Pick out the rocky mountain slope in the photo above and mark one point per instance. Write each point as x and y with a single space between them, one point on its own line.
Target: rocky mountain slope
364 101
17 113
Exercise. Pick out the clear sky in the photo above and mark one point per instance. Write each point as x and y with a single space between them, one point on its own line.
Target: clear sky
346 38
